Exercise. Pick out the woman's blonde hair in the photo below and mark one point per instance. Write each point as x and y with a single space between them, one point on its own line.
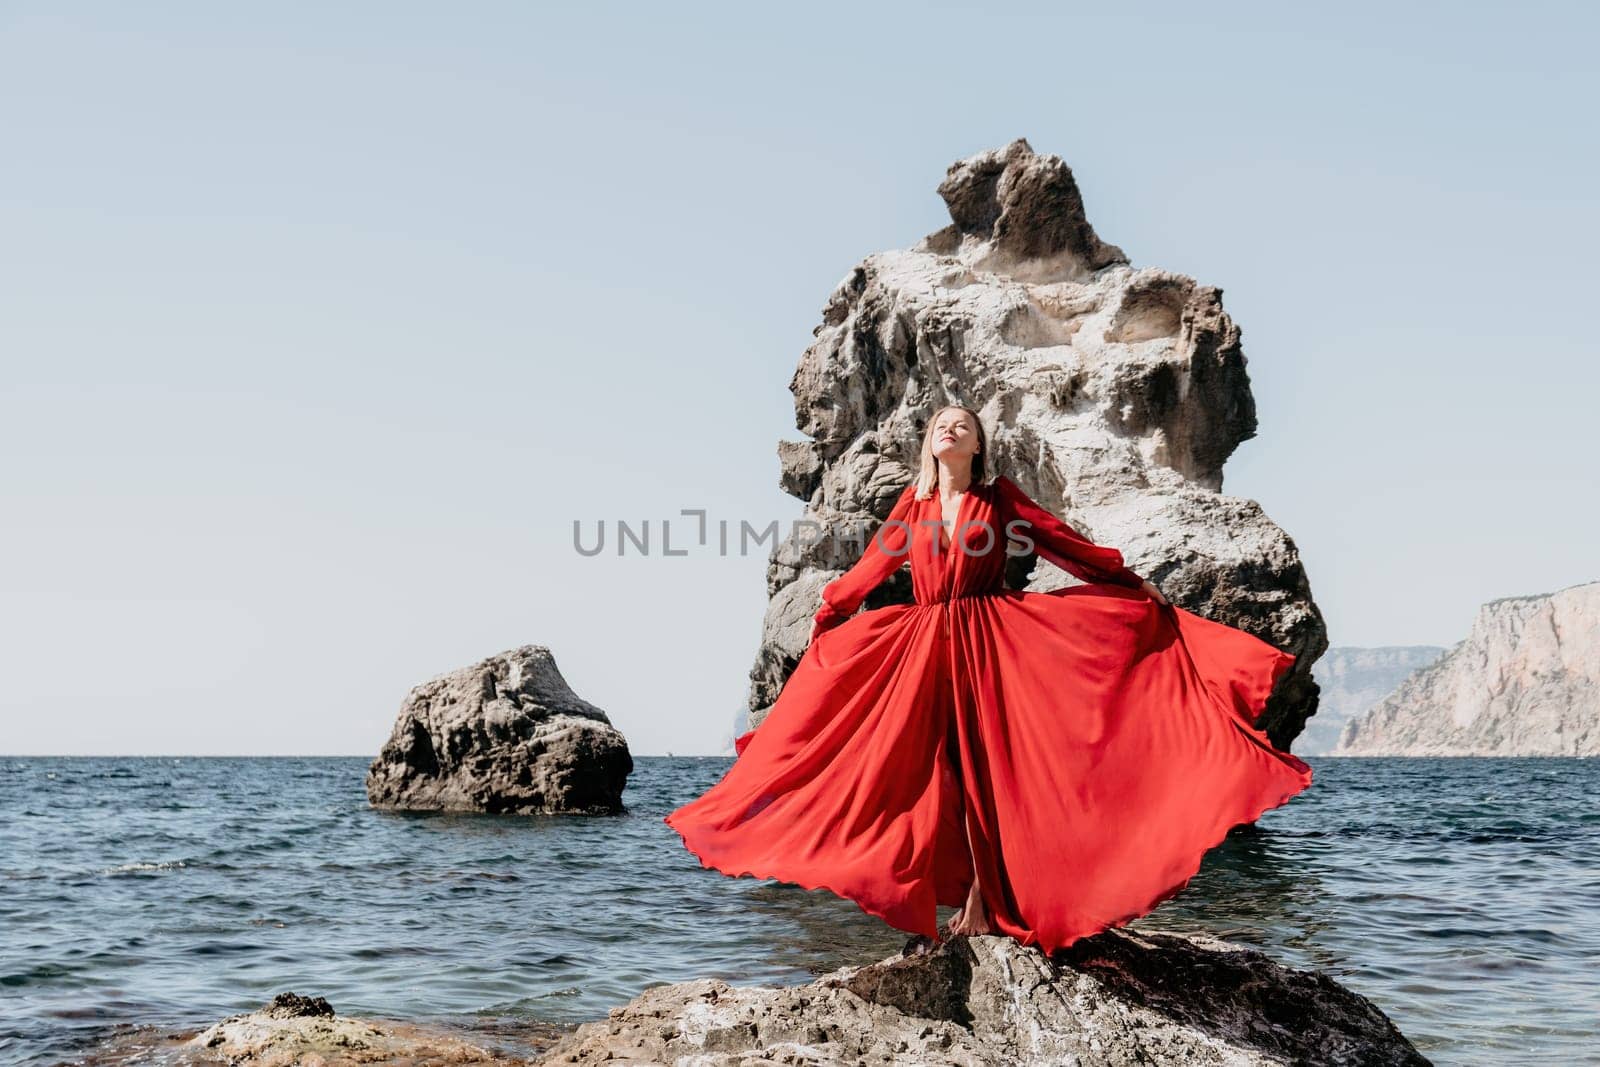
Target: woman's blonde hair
928 471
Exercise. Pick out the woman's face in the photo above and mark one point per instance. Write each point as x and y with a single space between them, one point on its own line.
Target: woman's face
955 437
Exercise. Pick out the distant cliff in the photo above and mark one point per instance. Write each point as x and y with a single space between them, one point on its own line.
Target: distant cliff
1524 682
1352 681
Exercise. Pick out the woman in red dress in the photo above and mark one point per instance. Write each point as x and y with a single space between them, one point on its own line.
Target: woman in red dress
1052 764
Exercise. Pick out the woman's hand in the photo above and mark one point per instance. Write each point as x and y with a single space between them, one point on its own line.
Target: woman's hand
816 628
1155 594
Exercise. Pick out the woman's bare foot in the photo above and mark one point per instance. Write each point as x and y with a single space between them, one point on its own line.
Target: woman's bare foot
972 919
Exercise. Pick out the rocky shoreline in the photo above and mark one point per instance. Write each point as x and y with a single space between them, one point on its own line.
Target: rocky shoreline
1120 997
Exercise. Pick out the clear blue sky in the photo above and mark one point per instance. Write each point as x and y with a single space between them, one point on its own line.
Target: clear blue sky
320 326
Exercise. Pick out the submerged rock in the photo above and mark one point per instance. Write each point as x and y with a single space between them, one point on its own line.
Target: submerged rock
506 734
1117 998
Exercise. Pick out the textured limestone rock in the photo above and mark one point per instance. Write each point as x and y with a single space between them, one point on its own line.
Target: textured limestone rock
504 735
1114 394
305 1031
1352 682
1524 682
1114 999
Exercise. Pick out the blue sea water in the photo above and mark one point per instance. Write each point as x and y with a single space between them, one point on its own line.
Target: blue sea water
1460 895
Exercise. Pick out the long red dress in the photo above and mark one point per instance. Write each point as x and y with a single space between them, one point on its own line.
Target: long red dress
1085 746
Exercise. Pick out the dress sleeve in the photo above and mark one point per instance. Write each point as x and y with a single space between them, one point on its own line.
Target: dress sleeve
886 550
1061 544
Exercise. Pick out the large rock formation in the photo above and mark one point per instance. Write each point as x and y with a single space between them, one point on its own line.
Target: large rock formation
1115 395
504 735
1524 682
1352 681
1116 998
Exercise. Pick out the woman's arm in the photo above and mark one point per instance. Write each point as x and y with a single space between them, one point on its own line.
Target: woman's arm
1061 544
885 551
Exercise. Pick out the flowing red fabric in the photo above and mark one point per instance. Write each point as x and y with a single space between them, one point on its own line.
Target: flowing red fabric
1083 747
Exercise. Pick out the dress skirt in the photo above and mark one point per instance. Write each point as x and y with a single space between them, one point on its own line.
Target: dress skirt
1078 751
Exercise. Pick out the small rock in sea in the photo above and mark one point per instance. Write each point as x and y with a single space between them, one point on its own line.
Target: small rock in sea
299 1031
305 1030
1117 998
505 735
294 1006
